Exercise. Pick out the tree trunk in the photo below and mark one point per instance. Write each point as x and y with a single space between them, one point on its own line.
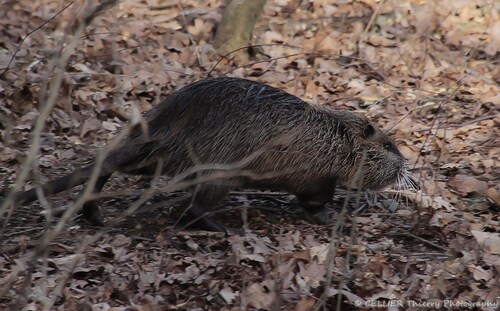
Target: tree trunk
235 29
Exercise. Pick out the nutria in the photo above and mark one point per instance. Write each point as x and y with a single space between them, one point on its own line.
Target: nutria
266 137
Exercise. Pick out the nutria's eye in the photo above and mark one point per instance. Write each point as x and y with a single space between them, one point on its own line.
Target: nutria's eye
368 131
389 146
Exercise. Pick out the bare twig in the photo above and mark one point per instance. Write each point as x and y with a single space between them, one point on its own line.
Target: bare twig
30 33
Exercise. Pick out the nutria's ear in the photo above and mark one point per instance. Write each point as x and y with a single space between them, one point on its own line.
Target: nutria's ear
368 131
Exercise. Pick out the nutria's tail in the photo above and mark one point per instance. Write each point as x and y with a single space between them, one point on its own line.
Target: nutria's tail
76 178
131 156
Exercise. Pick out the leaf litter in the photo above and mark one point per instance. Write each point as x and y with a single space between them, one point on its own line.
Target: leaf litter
426 71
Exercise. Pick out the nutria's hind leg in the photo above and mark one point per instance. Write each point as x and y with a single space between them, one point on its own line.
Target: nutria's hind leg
90 210
203 199
314 199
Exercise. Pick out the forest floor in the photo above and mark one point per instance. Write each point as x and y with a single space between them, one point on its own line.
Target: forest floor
428 72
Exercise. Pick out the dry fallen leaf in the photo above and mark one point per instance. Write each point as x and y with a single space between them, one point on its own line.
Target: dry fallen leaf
320 252
228 294
312 273
90 125
480 274
468 184
259 295
305 304
489 241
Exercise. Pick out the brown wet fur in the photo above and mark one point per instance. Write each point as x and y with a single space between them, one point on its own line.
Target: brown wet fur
262 136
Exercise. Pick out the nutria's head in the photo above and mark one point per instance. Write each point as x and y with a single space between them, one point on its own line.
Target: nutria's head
378 162
383 164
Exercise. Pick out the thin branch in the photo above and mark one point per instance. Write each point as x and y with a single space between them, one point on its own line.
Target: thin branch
30 33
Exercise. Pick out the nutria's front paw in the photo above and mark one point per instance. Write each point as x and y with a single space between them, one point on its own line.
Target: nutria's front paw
321 217
90 213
